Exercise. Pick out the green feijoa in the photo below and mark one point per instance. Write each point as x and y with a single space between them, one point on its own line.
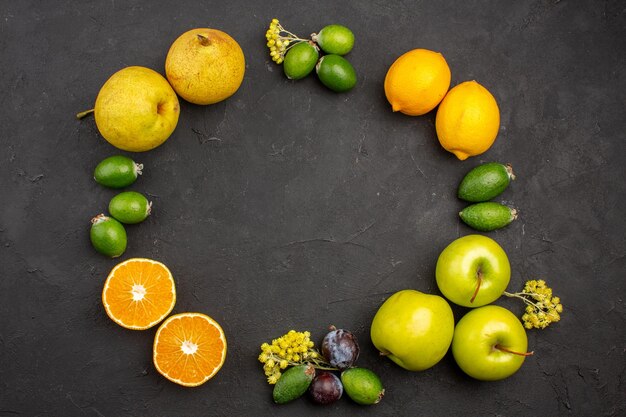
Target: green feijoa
130 207
485 182
336 73
335 39
362 386
117 171
300 60
293 383
487 216
108 236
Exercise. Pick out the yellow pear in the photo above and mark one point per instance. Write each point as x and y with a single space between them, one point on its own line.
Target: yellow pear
136 109
205 66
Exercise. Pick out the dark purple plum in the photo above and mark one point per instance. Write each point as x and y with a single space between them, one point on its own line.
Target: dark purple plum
340 348
326 388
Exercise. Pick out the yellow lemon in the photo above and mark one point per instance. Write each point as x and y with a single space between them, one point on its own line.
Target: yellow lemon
468 120
136 109
417 81
205 66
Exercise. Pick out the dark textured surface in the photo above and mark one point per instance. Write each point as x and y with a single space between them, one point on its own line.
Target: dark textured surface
309 208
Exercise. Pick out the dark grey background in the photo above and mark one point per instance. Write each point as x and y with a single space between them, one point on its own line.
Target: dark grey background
312 207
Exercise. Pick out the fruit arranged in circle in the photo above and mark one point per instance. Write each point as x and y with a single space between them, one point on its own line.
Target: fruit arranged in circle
300 60
336 73
108 236
136 109
490 343
117 171
468 120
340 348
362 386
487 216
413 329
139 293
293 383
473 271
334 39
205 66
326 388
417 82
189 348
485 182
130 207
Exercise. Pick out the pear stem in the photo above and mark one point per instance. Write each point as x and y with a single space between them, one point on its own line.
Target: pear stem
204 41
84 113
503 349
479 275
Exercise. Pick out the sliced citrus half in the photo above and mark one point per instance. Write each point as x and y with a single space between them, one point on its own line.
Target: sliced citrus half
189 348
139 293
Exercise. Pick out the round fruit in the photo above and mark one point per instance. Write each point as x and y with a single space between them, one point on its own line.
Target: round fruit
136 109
335 39
130 207
485 182
362 386
300 60
117 171
336 73
487 216
473 271
139 293
189 349
326 388
108 236
417 81
205 66
489 343
468 120
340 348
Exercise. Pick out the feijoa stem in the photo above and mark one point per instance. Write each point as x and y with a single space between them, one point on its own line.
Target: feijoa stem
503 349
479 275
204 41
509 171
84 113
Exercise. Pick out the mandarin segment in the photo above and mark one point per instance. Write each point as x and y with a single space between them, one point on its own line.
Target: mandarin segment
189 348
139 293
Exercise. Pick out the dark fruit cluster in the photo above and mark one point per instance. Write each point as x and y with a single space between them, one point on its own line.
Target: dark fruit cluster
341 350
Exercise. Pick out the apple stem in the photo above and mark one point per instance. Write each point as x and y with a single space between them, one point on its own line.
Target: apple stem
84 113
479 275
503 349
204 40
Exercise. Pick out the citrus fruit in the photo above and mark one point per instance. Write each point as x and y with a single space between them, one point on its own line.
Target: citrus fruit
130 207
335 39
300 60
468 120
189 348
136 109
417 81
336 73
108 236
139 293
205 66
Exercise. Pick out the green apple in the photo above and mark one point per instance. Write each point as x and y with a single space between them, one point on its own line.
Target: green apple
489 343
473 271
413 329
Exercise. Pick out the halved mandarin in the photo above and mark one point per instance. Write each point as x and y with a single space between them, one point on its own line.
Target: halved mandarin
189 348
139 293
